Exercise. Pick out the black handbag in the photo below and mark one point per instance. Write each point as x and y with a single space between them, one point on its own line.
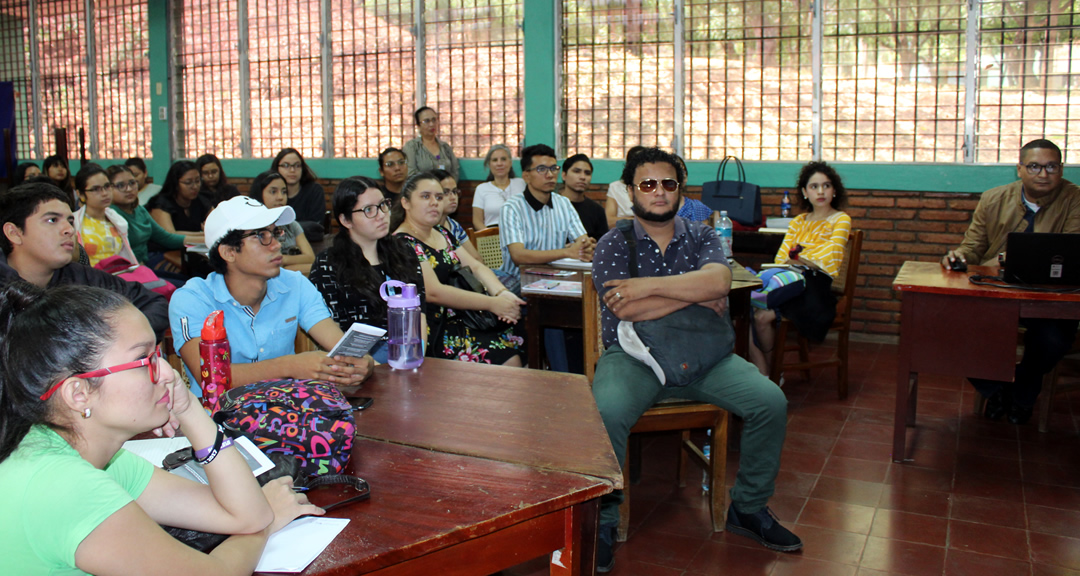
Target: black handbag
478 320
813 311
740 198
687 342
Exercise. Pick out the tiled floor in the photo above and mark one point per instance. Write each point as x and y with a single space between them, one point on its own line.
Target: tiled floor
976 497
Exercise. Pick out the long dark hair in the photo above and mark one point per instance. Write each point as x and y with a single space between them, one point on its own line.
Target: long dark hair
84 174
45 337
306 174
839 201
205 159
259 184
397 213
172 180
348 261
20 172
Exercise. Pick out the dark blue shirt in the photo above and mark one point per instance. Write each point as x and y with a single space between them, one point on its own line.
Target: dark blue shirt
693 246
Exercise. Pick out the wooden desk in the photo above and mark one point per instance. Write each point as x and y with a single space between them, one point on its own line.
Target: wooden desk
952 327
473 469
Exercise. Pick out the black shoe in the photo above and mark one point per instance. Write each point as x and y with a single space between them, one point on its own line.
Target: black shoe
763 527
996 406
605 549
1019 415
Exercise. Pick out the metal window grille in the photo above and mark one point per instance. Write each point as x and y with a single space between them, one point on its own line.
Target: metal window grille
749 80
15 67
1029 77
893 80
286 83
206 86
618 75
474 73
62 55
374 71
123 79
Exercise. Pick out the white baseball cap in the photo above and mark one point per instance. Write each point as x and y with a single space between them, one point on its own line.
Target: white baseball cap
243 213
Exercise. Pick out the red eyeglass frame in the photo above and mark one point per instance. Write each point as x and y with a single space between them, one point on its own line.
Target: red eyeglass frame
150 361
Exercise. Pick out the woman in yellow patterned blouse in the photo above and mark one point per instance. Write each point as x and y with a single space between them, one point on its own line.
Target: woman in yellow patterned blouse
815 239
100 228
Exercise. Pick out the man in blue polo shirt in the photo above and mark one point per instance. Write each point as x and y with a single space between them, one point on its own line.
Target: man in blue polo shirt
263 304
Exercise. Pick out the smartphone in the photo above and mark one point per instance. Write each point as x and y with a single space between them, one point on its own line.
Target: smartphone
360 402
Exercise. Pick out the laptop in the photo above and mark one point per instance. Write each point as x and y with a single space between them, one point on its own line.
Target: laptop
1038 258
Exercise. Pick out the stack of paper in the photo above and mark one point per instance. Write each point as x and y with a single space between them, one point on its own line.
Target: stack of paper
553 287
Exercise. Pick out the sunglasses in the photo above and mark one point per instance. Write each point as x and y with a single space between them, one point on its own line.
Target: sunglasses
150 361
650 185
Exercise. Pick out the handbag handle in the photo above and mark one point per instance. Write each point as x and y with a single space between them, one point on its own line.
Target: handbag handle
723 165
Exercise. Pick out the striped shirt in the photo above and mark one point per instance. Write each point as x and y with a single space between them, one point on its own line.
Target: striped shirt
823 241
523 220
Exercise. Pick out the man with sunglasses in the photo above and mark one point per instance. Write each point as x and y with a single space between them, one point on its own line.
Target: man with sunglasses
679 263
264 304
1042 201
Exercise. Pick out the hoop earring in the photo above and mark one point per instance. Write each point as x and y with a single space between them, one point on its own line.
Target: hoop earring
86 413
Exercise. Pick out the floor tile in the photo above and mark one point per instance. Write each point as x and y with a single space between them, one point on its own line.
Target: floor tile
809 443
988 539
1055 550
789 565
831 545
804 462
909 527
863 432
960 563
855 469
837 516
910 476
1052 496
1054 521
669 550
848 491
974 484
1047 570
795 483
915 500
847 448
721 559
980 465
903 557
987 511
805 424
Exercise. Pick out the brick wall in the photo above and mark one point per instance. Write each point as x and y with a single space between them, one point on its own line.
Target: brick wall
899 226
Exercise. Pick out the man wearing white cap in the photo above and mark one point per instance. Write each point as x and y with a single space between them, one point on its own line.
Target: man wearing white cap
263 304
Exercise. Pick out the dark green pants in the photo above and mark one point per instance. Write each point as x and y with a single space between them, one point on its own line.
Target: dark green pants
625 388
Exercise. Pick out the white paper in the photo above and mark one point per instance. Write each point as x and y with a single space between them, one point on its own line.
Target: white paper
155 450
358 341
572 263
295 546
256 460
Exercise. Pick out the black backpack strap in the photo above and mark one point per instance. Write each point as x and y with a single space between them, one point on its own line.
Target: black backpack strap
627 229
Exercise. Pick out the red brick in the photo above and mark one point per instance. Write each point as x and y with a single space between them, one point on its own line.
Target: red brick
925 203
880 281
878 246
927 249
950 239
887 236
892 214
855 213
921 226
878 270
957 227
868 224
884 305
858 326
967 204
947 215
874 293
895 259
876 328
873 316
878 201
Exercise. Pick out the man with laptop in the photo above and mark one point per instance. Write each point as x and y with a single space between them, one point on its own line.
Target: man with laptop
1041 202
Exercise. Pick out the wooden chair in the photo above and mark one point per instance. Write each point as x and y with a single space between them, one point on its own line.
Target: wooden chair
487 244
668 415
844 286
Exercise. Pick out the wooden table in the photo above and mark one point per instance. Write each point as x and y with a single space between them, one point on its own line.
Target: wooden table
473 469
561 311
952 327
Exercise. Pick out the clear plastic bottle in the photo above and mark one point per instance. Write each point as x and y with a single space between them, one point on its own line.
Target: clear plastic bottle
215 365
725 230
785 206
403 322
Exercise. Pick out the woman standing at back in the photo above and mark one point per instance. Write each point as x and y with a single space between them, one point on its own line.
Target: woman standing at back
427 152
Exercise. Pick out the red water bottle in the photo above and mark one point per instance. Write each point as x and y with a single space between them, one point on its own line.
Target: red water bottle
215 363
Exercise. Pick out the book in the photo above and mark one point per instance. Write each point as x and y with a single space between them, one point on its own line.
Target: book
553 287
357 341
572 264
548 272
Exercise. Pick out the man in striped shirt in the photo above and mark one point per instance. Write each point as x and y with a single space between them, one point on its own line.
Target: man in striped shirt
538 226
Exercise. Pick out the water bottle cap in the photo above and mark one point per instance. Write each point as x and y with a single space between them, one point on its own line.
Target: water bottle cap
214 327
407 298
723 212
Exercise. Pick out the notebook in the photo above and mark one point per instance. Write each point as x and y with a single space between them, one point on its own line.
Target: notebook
1032 258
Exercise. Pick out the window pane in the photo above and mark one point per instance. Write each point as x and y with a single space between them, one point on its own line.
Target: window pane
749 82
123 78
1029 77
618 75
286 83
892 86
374 57
62 62
207 92
474 71
15 67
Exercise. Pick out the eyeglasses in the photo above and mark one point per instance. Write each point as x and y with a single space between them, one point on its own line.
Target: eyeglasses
125 186
150 361
192 182
371 209
100 189
265 236
1050 168
451 191
651 185
542 170
295 166
430 120
391 163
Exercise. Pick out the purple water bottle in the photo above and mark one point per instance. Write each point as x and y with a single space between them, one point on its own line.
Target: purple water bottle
403 320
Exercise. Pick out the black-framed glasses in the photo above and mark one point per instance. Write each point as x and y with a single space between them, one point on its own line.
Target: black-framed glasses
125 186
393 163
192 183
100 189
1034 169
371 209
431 120
294 166
542 170
266 236
651 185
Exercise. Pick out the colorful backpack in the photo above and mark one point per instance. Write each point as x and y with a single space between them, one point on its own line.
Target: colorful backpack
308 419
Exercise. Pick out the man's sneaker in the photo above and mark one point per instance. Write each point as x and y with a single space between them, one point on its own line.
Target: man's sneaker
605 549
763 527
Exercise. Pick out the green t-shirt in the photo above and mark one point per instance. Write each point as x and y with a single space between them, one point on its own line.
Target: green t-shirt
144 230
52 499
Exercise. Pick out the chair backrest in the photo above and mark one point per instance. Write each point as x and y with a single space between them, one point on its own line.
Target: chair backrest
847 277
487 244
591 327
